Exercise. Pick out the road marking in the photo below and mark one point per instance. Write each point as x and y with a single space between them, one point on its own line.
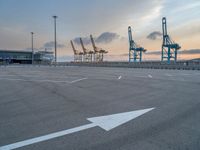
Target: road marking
32 76
78 80
185 74
27 80
150 76
196 74
140 76
119 77
169 75
52 81
107 123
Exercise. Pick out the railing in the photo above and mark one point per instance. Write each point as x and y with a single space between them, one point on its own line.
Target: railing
181 65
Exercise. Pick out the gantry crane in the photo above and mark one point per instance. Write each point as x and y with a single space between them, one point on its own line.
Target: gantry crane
169 47
98 52
87 53
135 51
78 56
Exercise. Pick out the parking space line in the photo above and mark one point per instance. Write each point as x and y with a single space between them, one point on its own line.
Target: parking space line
31 76
78 80
27 80
119 77
52 81
150 76
185 74
169 75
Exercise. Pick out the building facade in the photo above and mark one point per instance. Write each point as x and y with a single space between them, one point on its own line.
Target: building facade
24 57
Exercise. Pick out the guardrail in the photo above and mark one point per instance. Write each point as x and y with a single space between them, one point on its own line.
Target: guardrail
182 65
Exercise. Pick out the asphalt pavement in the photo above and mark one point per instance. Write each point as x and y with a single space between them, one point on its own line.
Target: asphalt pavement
40 100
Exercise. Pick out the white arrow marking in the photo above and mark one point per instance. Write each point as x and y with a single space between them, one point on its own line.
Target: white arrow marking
150 76
119 77
105 122
112 121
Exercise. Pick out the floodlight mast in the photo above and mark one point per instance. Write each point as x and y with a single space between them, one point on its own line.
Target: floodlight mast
32 58
55 40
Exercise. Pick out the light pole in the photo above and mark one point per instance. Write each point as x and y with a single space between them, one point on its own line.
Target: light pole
32 47
55 17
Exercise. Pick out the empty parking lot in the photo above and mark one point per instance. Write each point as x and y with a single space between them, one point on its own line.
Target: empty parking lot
40 100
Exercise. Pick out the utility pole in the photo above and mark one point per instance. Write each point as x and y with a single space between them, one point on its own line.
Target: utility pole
55 17
32 47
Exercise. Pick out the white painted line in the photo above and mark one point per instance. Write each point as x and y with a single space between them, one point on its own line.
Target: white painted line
78 80
13 79
107 123
110 122
150 76
26 80
198 74
140 76
119 77
19 75
52 81
169 75
31 76
46 137
185 74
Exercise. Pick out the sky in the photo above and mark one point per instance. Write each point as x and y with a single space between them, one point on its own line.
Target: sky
106 20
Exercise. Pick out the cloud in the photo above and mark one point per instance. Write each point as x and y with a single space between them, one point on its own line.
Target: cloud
154 13
154 35
107 37
183 7
86 40
50 45
153 53
189 51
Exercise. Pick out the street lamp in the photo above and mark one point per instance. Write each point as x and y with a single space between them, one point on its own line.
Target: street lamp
32 47
55 17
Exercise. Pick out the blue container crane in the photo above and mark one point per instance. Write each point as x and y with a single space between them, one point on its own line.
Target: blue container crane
135 51
169 47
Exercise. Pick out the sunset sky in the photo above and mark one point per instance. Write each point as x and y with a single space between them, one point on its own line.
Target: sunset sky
106 20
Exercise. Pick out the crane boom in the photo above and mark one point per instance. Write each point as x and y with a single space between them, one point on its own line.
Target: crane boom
131 42
93 44
87 53
73 47
169 47
77 55
84 50
164 28
135 52
99 52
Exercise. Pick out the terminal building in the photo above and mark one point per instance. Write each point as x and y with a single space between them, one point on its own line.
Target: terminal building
25 57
